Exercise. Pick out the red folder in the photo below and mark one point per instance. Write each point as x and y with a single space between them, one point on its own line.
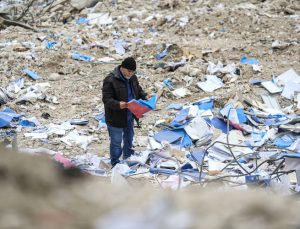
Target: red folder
137 109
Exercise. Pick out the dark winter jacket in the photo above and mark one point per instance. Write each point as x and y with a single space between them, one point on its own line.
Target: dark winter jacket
115 90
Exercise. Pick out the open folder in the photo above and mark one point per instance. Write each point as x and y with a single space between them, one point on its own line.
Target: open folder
140 107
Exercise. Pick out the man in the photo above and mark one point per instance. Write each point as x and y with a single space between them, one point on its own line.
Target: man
119 87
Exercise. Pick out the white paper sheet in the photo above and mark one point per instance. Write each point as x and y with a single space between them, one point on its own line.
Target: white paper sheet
289 90
271 87
212 83
288 76
181 92
198 129
99 18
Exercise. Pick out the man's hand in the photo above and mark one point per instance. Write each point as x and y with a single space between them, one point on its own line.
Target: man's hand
123 105
148 96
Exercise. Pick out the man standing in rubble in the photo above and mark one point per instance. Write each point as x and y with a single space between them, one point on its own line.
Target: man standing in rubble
119 87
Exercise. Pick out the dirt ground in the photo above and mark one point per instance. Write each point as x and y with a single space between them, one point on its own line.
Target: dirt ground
36 194
217 31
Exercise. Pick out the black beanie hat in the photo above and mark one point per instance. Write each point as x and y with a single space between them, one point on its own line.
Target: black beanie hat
129 63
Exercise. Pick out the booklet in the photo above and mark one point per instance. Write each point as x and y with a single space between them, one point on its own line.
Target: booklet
140 107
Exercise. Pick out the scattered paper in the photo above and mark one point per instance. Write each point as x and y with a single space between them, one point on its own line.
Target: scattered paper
105 59
153 145
289 90
116 176
271 102
119 46
140 107
99 19
197 129
288 76
36 135
181 92
251 61
32 74
271 87
214 68
74 137
212 83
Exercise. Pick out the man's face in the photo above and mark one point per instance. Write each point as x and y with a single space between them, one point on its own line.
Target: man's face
126 72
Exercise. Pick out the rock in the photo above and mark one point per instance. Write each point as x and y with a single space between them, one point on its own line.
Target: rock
61 147
66 15
81 4
57 8
279 45
194 72
84 13
98 8
54 77
288 10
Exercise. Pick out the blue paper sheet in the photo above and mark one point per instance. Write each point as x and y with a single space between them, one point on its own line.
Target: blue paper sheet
6 116
197 156
183 114
225 111
5 119
140 107
205 104
77 56
161 55
186 166
168 84
32 74
220 124
26 123
82 20
168 136
185 140
148 103
241 115
50 44
228 110
270 120
101 120
292 155
180 118
177 137
283 142
251 61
